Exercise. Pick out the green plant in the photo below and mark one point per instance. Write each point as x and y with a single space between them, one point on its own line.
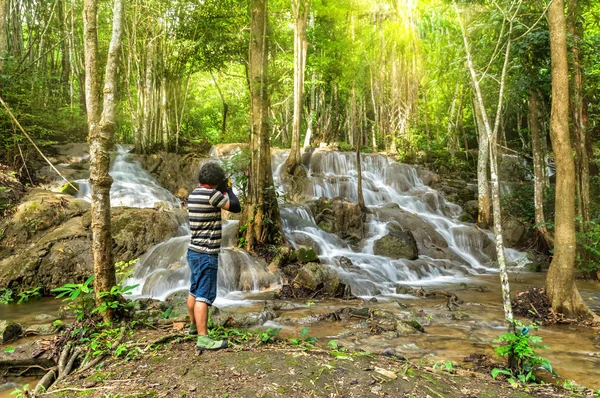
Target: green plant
268 335
448 366
124 269
518 347
113 299
304 338
26 295
6 295
79 294
20 392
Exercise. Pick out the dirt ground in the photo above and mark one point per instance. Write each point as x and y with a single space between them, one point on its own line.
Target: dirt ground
175 369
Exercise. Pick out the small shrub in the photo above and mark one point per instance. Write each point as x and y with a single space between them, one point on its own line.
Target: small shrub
518 347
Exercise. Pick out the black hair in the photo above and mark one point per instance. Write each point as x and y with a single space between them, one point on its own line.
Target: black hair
211 173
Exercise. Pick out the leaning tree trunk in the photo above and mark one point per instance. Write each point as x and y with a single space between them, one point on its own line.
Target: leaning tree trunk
560 281
300 8
261 216
101 132
538 169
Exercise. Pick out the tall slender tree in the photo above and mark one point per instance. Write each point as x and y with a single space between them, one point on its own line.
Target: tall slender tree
3 31
560 281
300 9
101 124
261 216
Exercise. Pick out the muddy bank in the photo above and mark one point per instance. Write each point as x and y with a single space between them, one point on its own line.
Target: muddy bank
248 370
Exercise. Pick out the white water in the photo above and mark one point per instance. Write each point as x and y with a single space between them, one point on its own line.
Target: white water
133 186
163 270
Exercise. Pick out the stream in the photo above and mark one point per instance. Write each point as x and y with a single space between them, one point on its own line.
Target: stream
465 268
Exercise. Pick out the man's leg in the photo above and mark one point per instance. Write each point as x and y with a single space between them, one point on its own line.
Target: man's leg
201 315
191 303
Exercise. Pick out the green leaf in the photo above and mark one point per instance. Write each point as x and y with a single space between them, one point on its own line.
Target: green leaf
9 350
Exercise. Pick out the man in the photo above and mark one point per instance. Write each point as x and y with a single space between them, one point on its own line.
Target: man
213 194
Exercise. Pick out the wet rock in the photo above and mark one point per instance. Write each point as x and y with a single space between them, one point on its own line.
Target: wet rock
177 173
465 217
388 352
384 321
428 177
47 241
345 262
45 317
302 240
402 289
397 245
40 330
319 278
512 231
373 300
472 208
306 255
337 216
400 177
242 320
9 331
429 242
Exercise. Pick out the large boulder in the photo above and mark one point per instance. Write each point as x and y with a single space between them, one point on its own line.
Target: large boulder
429 242
397 245
177 173
472 208
47 241
338 216
512 231
319 278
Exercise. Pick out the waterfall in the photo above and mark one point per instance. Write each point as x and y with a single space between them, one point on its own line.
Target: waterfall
163 270
132 185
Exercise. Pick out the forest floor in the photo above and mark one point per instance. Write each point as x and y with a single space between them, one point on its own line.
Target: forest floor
175 369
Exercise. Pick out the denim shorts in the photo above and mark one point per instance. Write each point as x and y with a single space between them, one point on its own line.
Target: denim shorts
203 282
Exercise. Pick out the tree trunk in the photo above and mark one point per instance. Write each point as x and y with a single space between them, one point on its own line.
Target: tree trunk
300 9
356 133
101 132
579 121
262 215
3 31
492 135
538 168
560 281
484 217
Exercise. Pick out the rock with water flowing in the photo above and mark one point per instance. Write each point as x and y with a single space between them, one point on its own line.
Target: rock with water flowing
397 245
47 240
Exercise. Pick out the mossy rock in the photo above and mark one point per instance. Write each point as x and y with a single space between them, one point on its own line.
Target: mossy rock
307 255
70 188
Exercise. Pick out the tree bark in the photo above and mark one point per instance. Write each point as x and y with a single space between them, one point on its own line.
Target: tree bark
484 217
492 135
560 281
579 120
261 217
300 9
101 132
3 31
538 169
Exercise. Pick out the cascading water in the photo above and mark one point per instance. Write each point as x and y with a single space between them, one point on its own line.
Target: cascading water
163 270
333 174
132 185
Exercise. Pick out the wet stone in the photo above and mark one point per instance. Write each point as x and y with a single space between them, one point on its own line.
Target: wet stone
9 331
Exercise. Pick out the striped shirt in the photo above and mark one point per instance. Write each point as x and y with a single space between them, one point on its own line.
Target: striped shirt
204 212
